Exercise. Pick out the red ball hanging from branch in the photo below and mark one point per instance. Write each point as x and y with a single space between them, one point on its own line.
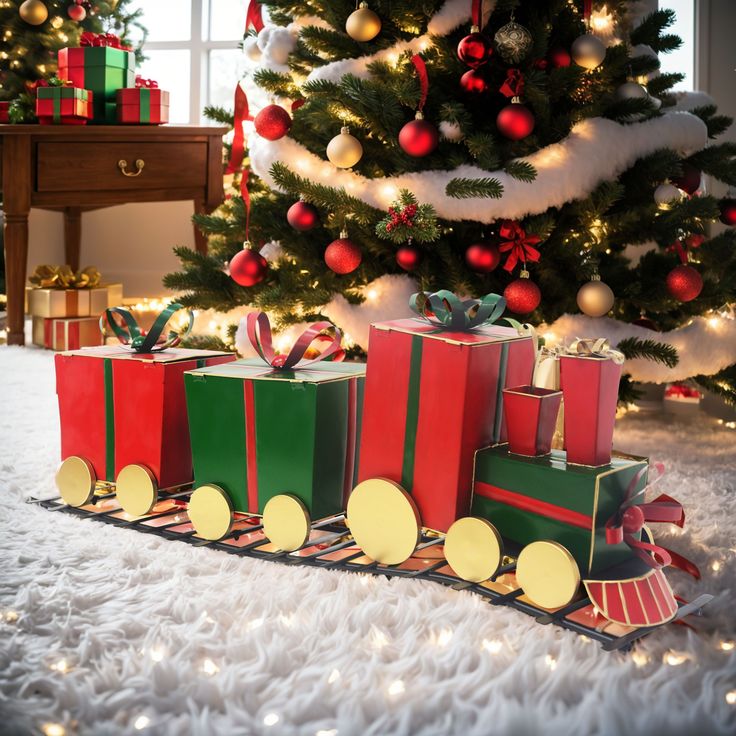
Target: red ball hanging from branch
475 49
523 295
76 12
483 256
690 180
419 137
248 267
684 283
302 216
343 255
515 121
474 82
272 122
408 256
559 57
727 207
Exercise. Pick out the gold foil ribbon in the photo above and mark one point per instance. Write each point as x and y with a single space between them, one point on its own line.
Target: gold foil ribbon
62 277
589 347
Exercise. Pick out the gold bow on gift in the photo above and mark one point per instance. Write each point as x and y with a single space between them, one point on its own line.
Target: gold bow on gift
594 348
62 277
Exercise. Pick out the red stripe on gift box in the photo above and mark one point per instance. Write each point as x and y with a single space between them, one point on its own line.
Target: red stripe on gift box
534 505
250 445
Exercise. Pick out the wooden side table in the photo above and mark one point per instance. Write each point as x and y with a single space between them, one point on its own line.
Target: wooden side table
60 167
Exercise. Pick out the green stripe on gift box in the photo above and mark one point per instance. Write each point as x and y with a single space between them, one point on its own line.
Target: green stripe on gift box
109 423
145 105
412 412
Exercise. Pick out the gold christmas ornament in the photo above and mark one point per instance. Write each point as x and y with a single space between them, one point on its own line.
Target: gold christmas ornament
548 574
513 42
595 298
76 481
286 522
363 24
136 490
473 547
383 520
211 512
667 194
344 150
33 12
588 51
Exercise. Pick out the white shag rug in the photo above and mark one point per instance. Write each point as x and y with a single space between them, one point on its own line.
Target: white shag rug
161 638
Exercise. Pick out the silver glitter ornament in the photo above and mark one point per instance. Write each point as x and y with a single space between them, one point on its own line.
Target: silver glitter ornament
513 42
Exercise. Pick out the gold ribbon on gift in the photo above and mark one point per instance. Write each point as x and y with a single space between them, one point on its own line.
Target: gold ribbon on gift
62 277
590 347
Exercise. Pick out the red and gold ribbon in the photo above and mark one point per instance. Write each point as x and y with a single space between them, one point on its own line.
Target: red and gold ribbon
109 40
259 335
518 244
253 16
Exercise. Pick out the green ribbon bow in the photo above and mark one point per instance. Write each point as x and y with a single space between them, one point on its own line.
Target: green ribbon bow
131 335
448 312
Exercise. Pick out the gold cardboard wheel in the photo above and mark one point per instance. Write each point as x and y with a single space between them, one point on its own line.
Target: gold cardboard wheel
286 522
211 512
136 490
548 574
76 481
383 520
474 548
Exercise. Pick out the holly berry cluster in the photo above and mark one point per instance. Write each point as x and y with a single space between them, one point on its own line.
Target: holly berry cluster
403 216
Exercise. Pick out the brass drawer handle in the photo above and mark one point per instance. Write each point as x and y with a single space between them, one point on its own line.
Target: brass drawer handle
139 164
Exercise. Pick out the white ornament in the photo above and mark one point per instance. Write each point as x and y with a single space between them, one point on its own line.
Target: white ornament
588 51
344 150
276 43
665 195
632 91
451 131
251 49
272 251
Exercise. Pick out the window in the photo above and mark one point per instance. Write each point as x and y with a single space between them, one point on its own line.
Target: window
682 60
193 52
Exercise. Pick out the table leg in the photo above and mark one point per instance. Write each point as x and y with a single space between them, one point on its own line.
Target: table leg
16 205
72 236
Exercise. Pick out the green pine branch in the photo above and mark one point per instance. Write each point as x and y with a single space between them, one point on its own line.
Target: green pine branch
633 347
461 188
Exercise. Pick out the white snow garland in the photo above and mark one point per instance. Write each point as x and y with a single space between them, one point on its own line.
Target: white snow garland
705 346
596 150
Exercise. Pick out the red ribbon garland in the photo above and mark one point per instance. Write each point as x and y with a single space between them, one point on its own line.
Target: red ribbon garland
253 16
237 152
259 335
513 85
630 519
245 195
518 243
587 9
102 39
421 68
476 12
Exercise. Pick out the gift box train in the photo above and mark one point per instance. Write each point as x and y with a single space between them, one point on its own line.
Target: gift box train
436 456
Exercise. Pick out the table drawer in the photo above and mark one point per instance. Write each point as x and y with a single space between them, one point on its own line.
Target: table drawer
99 166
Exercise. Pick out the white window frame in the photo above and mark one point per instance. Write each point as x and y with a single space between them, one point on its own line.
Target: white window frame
199 55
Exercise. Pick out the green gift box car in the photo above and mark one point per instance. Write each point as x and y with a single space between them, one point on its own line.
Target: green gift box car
259 433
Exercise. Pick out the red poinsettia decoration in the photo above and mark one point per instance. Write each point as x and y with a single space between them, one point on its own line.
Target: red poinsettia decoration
518 245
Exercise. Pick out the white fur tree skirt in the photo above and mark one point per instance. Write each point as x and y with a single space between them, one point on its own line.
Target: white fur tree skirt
170 639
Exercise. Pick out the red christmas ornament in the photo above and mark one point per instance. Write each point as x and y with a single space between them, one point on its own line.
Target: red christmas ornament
273 122
690 180
343 255
408 257
728 211
419 137
474 50
483 256
559 57
684 283
695 240
302 216
76 12
474 82
645 322
248 267
522 296
515 121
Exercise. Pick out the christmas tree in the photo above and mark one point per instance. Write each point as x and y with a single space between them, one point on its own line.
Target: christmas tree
529 149
33 31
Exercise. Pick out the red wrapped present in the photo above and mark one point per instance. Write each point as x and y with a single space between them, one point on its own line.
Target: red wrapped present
433 397
124 405
531 416
63 105
70 333
4 111
146 104
589 376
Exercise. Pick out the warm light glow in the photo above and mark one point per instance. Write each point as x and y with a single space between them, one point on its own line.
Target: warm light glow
443 638
254 624
334 677
396 688
492 646
53 729
601 21
389 191
11 617
674 659
141 722
731 697
371 295
639 658
551 662
61 666
714 322
326 732
727 646
715 565
157 654
271 719
550 337
378 638
209 667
